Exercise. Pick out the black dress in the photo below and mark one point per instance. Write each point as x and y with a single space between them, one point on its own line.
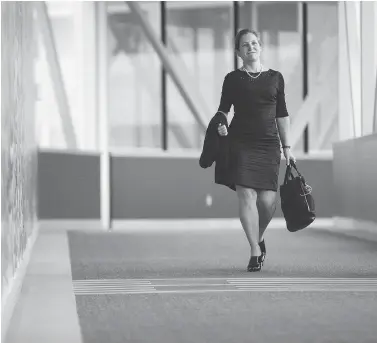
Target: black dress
253 134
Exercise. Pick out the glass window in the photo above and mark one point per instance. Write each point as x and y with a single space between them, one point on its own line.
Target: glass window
134 84
323 72
200 42
279 26
73 30
49 127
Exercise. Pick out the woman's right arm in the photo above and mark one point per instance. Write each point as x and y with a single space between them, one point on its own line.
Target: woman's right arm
226 103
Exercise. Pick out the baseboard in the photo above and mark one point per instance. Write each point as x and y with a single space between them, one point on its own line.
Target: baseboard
70 224
358 228
12 293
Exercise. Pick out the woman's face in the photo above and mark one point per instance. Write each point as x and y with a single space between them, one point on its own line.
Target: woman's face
250 49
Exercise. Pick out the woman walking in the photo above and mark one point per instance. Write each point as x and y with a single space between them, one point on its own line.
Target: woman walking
260 124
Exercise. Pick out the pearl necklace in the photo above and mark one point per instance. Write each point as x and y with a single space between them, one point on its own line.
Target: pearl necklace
253 77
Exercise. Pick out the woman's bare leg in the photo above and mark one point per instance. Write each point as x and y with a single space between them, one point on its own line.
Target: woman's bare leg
266 204
248 212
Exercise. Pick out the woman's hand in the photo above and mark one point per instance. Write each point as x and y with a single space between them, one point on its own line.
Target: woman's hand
288 156
222 130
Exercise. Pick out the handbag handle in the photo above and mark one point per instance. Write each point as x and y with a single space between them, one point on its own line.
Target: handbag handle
299 174
288 172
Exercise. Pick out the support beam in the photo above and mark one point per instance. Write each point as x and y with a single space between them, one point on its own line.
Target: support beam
327 134
86 121
164 100
305 76
184 84
56 73
327 128
308 108
375 107
368 23
102 66
345 118
180 135
352 30
236 24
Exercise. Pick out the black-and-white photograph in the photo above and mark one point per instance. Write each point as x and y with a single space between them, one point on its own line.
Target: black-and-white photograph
189 171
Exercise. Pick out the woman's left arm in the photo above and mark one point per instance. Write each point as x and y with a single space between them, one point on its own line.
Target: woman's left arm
283 122
283 125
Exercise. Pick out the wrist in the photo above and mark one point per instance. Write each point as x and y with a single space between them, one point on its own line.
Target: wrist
286 146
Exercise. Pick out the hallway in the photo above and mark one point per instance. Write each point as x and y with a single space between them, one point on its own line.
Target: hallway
112 232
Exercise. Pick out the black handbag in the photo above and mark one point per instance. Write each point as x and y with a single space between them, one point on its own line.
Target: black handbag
297 202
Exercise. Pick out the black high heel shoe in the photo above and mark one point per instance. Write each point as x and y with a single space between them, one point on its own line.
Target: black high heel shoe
262 246
255 264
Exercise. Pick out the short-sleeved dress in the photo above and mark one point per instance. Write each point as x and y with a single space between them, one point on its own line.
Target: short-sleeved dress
253 134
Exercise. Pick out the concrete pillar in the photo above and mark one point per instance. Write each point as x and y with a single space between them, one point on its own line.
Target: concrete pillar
368 63
85 41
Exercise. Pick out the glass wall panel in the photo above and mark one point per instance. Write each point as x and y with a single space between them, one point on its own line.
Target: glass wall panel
134 83
200 39
279 26
73 33
323 72
49 127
